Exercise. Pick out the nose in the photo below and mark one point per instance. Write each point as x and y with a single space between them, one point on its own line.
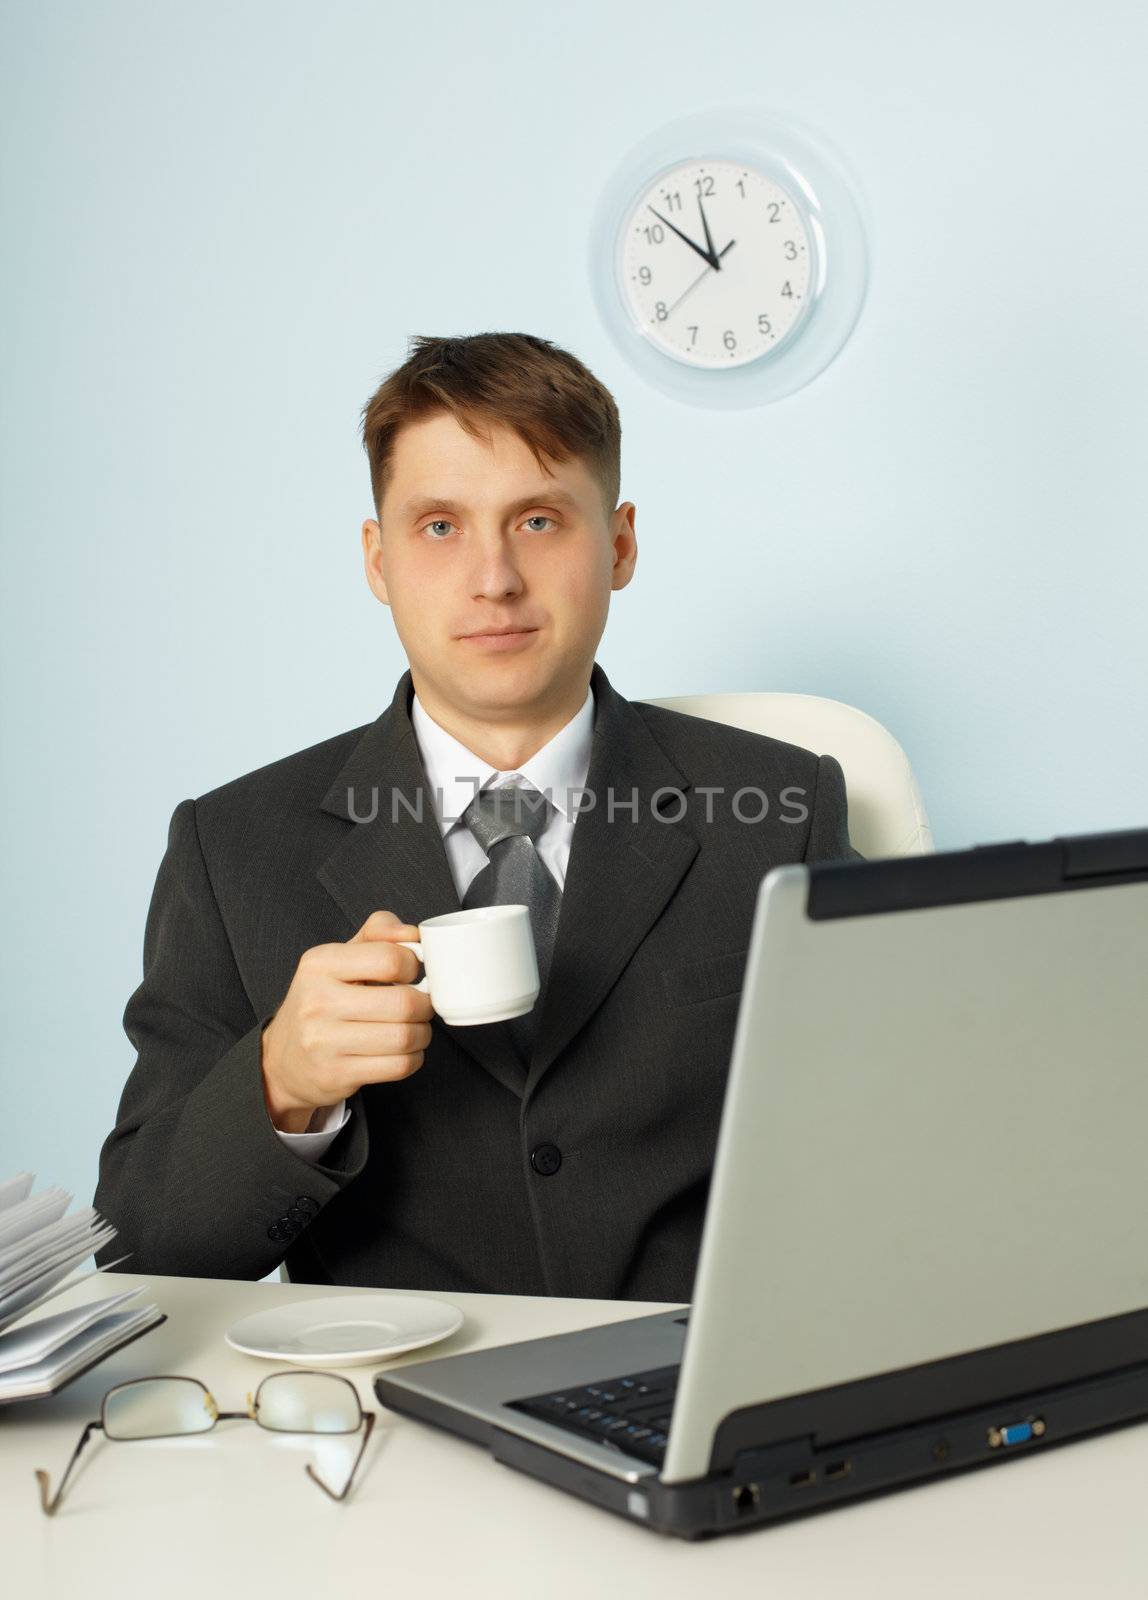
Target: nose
494 574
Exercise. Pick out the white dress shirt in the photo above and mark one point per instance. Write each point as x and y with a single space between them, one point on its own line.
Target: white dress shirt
455 774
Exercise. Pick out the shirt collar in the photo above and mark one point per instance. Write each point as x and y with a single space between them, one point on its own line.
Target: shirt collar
456 774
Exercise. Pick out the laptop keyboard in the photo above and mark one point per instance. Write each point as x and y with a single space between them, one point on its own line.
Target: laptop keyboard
632 1412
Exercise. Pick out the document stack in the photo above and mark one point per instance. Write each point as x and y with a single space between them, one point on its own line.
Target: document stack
39 1246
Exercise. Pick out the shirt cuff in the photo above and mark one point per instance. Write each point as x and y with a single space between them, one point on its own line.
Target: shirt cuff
323 1129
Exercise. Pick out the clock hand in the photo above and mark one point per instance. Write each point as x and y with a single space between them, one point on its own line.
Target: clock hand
706 255
709 241
696 281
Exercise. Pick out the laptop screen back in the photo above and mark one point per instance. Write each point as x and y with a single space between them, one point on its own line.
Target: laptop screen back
933 1140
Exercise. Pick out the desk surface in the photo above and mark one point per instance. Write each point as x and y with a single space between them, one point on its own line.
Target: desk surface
432 1515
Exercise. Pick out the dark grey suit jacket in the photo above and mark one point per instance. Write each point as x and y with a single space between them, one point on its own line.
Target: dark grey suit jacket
584 1175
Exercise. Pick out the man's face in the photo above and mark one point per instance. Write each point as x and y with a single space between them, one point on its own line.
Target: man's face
475 540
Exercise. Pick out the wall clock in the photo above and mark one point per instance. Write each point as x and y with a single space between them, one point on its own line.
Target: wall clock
728 257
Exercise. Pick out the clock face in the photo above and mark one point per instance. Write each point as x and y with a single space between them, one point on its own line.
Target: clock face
716 262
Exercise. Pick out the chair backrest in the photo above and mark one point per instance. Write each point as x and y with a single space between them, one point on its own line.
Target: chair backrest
886 812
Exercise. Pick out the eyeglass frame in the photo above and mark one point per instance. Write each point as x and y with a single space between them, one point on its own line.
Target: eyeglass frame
49 1506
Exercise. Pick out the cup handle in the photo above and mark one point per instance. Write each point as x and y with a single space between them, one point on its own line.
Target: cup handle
423 985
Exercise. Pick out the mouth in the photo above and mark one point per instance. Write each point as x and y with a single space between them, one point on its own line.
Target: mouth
491 641
494 633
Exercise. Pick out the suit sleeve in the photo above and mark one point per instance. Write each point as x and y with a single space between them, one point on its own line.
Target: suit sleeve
829 826
194 1175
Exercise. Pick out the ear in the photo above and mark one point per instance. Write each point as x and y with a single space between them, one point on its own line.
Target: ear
625 544
373 560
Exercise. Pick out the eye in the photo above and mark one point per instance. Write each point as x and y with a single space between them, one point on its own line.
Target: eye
539 518
439 522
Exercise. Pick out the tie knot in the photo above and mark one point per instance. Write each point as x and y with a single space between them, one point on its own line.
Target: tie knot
512 810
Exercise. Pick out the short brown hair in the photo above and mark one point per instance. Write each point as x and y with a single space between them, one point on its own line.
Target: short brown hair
554 403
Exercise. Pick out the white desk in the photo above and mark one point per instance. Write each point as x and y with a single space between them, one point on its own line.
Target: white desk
233 1514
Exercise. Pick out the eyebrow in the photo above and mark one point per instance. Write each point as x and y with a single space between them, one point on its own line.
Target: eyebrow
555 497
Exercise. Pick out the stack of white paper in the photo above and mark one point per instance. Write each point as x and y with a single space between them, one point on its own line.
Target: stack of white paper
39 1247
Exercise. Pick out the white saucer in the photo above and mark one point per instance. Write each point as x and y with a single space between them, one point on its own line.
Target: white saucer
344 1330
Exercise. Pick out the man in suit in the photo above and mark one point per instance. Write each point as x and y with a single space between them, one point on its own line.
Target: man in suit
294 1096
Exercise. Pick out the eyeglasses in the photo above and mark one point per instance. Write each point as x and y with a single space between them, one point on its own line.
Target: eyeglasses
163 1407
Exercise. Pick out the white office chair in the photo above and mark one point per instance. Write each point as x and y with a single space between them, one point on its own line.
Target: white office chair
886 812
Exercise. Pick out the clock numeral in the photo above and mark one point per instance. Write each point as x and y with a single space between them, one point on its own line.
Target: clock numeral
660 312
728 339
645 276
655 234
774 209
673 201
693 331
741 186
763 323
704 185
790 250
787 289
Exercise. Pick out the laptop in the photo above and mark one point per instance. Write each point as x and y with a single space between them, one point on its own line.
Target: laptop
925 1245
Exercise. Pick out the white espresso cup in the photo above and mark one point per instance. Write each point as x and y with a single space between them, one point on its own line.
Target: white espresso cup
480 964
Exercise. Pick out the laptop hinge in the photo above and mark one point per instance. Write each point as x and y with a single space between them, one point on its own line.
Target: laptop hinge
953 1384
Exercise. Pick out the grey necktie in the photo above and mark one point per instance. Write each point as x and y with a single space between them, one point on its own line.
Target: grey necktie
507 821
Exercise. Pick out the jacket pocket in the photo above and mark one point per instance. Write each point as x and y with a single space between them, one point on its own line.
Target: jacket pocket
705 977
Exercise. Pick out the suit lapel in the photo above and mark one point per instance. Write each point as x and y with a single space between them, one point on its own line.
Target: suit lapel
620 874
393 856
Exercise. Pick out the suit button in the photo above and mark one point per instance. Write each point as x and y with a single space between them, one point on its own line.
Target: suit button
278 1231
546 1159
304 1202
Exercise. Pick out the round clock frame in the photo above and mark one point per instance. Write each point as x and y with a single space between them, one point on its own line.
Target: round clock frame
795 178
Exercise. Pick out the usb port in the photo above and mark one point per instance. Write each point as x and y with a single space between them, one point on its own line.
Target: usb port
802 1480
838 1469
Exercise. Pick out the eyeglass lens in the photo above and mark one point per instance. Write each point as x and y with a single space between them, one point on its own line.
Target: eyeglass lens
307 1402
153 1407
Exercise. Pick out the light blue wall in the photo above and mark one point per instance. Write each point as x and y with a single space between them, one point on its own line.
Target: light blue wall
221 223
